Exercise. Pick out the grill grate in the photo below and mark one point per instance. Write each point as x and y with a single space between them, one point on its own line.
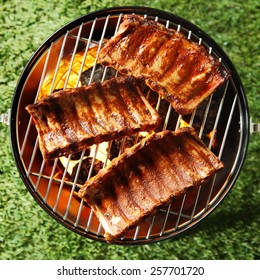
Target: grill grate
51 184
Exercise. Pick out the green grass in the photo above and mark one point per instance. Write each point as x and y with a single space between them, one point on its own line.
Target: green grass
231 232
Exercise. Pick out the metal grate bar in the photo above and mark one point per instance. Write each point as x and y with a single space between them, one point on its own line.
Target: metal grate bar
99 229
41 81
158 103
159 97
222 147
192 117
89 175
89 221
99 47
178 122
40 175
218 115
166 218
61 184
74 185
150 227
175 213
227 127
50 181
33 156
89 40
179 216
167 117
136 232
73 56
79 212
59 61
189 35
195 204
56 180
205 117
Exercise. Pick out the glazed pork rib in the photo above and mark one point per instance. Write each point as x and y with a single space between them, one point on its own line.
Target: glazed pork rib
147 176
70 120
181 71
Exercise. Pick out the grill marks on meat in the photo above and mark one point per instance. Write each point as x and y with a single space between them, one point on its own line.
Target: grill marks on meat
146 177
71 120
180 70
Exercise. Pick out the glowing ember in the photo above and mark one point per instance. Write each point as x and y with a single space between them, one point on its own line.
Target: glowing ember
183 124
49 85
100 152
213 133
144 134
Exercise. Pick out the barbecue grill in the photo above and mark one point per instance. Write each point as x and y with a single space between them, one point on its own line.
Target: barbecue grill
221 121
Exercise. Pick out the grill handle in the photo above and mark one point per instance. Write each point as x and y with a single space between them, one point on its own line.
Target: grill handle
5 118
254 127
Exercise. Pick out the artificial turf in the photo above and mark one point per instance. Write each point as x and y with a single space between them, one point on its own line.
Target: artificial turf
230 232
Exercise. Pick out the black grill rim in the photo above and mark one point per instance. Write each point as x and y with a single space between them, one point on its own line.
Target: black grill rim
244 117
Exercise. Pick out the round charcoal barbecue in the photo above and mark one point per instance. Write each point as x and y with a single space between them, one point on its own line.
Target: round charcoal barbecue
69 59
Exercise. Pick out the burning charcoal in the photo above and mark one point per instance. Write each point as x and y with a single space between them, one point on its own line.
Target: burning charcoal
57 89
121 144
99 71
84 170
211 116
